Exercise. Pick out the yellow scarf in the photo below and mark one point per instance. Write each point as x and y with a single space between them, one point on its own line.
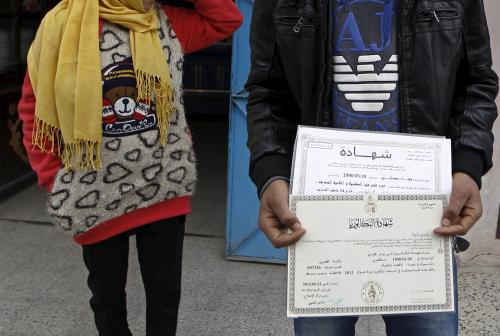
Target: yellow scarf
65 72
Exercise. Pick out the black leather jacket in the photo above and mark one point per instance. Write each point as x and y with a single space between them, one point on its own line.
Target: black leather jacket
447 85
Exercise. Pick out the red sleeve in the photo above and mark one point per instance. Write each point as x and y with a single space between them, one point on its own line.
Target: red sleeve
45 165
210 22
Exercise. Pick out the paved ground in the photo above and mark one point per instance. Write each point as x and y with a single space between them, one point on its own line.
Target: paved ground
43 290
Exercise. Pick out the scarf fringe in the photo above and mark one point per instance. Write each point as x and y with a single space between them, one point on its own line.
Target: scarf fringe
46 137
86 154
147 84
81 154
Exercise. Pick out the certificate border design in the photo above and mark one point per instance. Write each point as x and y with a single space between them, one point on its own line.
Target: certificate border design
368 309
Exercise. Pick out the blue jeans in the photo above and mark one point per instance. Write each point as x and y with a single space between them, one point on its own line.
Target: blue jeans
429 324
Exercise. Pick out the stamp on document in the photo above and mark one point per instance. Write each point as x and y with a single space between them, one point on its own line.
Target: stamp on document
371 206
372 292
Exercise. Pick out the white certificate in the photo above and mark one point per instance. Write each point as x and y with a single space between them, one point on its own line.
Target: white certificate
330 165
366 254
329 161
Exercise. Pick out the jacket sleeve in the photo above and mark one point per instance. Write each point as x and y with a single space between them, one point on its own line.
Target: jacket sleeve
45 165
476 110
272 115
210 22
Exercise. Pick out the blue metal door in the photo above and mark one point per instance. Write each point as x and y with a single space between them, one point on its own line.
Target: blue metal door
245 241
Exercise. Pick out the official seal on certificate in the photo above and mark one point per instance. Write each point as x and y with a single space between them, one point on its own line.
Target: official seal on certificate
372 292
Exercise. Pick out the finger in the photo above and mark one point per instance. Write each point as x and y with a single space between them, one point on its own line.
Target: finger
452 230
452 211
285 216
276 232
290 221
278 235
465 223
287 238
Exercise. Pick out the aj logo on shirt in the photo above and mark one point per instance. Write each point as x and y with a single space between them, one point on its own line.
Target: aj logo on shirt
365 65
123 114
356 28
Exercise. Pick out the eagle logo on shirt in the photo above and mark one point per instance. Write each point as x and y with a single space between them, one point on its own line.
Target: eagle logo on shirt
365 67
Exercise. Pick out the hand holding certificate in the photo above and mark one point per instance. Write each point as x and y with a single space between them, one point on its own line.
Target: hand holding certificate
369 203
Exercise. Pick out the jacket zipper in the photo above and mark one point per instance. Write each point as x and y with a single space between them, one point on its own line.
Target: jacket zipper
321 118
298 26
328 107
402 67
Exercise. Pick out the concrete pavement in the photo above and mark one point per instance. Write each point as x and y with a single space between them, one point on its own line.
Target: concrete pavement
43 290
43 280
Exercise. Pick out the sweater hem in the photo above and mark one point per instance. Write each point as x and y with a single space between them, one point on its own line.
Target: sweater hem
140 217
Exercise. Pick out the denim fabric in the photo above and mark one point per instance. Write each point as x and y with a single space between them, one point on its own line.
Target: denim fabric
429 324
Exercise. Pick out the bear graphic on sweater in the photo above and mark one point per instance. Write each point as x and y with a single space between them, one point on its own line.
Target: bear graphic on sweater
123 113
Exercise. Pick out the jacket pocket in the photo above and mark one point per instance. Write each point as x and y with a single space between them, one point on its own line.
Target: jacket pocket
289 21
436 16
296 26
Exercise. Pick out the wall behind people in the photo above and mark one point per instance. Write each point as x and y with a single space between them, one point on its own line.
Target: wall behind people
485 248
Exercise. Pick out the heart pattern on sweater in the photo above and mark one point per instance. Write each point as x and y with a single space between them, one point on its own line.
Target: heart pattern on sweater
57 199
137 170
116 172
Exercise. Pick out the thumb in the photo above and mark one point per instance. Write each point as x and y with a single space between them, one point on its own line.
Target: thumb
285 216
454 208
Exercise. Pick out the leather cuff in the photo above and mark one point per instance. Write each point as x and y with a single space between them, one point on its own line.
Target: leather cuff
270 166
468 161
